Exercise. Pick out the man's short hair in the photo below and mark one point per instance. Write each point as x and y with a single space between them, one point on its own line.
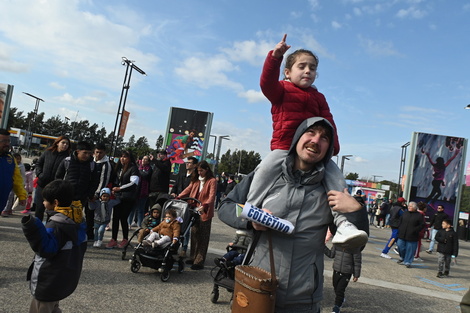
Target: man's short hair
100 146
83 145
193 160
325 126
60 190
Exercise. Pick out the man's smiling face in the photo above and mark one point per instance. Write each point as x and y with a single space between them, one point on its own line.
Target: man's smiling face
312 147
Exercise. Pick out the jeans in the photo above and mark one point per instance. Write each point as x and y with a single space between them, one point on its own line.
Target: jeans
433 238
391 241
139 209
99 231
407 250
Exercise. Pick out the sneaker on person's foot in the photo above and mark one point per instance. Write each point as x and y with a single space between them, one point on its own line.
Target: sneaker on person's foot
122 243
99 243
418 260
429 251
95 244
347 235
4 213
336 309
386 256
400 262
111 244
439 275
25 211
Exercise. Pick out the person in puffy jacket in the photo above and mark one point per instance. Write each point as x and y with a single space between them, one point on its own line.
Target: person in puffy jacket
347 263
448 247
59 247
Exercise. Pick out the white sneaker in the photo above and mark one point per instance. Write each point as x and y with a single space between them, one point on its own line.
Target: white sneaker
347 235
95 244
418 260
99 243
386 256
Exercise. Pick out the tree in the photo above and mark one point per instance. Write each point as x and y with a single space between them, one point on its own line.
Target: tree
240 161
352 176
159 143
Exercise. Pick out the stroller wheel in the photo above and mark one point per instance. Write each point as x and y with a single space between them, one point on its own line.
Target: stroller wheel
135 266
180 266
214 296
165 275
123 255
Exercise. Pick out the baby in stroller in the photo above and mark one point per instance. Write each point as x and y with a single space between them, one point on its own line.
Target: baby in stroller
167 231
224 272
235 250
150 221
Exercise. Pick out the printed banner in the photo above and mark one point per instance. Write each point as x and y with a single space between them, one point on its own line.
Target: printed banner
256 215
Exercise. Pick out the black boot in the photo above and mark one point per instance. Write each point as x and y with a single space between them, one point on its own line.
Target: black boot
439 274
446 273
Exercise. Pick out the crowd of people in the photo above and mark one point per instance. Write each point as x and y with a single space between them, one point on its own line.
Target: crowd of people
296 182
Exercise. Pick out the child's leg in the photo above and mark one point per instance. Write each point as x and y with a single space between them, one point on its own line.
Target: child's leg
153 236
447 260
101 230
163 240
264 174
334 180
440 262
96 228
341 282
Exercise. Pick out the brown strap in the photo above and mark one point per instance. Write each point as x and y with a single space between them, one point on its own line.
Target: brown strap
271 259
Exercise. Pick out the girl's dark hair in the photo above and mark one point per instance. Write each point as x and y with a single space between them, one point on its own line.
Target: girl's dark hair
60 190
119 166
55 144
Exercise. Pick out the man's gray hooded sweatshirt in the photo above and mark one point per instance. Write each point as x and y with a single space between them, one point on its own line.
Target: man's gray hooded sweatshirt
299 197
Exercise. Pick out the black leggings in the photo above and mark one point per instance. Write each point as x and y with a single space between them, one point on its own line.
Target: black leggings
340 282
120 214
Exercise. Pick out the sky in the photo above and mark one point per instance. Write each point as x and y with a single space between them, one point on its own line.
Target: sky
387 68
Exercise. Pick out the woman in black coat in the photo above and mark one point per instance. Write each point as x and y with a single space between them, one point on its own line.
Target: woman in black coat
46 169
126 187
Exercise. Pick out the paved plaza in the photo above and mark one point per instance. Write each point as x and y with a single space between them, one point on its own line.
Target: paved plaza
108 285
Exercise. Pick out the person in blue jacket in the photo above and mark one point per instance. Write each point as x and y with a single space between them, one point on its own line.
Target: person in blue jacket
59 247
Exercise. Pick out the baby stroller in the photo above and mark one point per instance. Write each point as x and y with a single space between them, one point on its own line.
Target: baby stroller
163 258
224 274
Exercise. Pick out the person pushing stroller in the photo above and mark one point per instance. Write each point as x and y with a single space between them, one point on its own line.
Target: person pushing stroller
163 233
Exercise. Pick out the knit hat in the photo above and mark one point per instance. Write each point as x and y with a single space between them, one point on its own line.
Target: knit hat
401 200
105 190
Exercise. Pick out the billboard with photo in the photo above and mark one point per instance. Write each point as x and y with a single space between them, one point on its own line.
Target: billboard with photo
186 133
436 171
6 92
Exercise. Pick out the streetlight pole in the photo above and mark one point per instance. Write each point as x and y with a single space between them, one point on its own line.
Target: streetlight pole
374 176
122 102
344 157
218 151
36 108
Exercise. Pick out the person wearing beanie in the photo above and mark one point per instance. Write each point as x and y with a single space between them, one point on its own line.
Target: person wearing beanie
150 221
395 213
102 208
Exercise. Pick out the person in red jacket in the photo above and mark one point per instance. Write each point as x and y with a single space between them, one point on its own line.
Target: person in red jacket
293 100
